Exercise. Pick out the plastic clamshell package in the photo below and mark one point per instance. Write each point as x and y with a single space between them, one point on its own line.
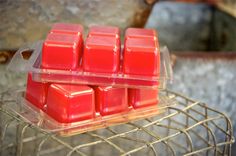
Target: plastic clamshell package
33 65
58 98
31 114
63 58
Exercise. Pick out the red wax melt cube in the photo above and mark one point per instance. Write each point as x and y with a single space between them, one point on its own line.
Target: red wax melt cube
140 33
66 28
141 57
111 100
139 98
36 92
70 103
61 51
104 31
101 54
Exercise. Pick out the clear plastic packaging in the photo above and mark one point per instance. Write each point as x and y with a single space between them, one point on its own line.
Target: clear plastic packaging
36 117
33 64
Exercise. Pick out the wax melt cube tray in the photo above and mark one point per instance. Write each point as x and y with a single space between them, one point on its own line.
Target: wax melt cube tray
100 59
79 85
68 103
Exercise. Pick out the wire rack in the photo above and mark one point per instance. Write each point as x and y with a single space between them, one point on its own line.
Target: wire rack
188 128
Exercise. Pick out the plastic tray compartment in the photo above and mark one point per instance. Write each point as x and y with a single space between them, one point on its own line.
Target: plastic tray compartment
33 115
33 64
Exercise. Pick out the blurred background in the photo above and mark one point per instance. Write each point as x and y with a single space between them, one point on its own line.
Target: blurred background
201 35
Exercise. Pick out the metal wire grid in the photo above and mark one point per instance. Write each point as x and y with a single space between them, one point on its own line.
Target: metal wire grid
189 128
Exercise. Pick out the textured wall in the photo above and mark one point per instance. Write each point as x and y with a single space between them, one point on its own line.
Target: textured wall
26 21
181 26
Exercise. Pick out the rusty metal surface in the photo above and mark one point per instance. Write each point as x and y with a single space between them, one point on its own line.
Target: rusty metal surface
229 6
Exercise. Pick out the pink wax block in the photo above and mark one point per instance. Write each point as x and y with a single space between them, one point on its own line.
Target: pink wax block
67 28
141 57
101 54
140 98
68 103
61 51
111 100
104 31
140 33
36 92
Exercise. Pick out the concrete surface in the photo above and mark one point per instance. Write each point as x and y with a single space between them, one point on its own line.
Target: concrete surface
209 81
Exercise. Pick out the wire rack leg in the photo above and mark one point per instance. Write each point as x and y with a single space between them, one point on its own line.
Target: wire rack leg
19 138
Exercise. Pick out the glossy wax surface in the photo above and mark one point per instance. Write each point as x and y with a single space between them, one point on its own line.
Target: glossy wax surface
141 57
70 103
36 92
101 54
140 33
61 51
67 28
139 98
111 100
104 31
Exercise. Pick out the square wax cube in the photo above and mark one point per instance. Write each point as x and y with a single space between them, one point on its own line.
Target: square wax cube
141 57
139 98
68 103
110 100
140 33
104 31
66 28
101 54
61 51
36 92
